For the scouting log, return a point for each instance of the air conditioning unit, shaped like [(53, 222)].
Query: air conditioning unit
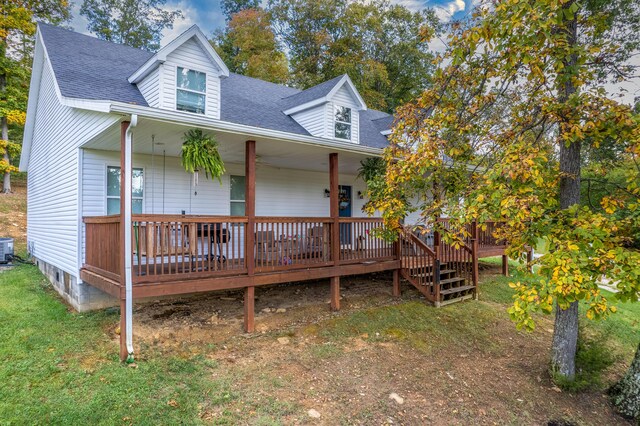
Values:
[(6, 250)]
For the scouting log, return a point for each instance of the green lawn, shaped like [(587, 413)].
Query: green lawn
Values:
[(61, 367)]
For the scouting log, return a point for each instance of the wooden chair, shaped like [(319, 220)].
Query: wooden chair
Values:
[(266, 247), (316, 240)]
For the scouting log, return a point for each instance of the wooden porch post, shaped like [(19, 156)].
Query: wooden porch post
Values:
[(335, 227), (397, 251), (396, 283), (123, 329), (474, 258), (505, 265), (250, 212)]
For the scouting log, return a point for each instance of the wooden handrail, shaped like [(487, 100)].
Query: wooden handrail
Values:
[(101, 219), (187, 218)]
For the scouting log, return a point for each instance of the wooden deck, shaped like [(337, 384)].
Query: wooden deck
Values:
[(187, 254)]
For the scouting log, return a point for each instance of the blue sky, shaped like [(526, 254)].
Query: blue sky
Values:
[(208, 15)]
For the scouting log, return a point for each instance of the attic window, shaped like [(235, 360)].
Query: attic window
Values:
[(191, 90), (342, 122)]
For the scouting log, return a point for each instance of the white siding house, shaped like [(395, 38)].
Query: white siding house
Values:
[(73, 128)]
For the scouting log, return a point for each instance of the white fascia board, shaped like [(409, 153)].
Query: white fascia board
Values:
[(161, 55), (352, 88), (305, 106), (87, 104), (386, 132), (32, 104), (182, 118)]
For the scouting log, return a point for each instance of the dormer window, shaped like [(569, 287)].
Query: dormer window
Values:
[(191, 90), (342, 122)]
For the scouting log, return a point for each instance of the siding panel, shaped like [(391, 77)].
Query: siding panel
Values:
[(150, 88), (190, 55), (52, 184)]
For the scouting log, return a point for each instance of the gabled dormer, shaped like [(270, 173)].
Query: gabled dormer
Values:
[(330, 109), (183, 76)]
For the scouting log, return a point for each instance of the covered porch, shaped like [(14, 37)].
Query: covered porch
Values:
[(179, 243)]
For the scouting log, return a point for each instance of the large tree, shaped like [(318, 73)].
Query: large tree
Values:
[(248, 46), (136, 23), (517, 98), (17, 27), (231, 7), (381, 46)]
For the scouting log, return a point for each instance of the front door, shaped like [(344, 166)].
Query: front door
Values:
[(344, 209)]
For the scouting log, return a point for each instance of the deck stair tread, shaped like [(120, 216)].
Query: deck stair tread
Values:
[(456, 289)]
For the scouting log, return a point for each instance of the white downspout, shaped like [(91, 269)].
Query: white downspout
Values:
[(127, 235)]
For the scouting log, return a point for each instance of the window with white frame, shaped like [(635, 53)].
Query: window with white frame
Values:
[(191, 90), (237, 196), (342, 122), (113, 190)]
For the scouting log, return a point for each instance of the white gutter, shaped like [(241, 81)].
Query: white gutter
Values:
[(182, 118), (127, 235)]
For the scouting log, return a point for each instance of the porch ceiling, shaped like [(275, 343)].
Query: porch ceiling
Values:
[(271, 152)]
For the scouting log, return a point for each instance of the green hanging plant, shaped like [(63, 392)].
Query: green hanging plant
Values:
[(372, 169), (200, 153)]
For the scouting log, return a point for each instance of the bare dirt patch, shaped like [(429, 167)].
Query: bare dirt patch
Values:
[(13, 216), (466, 365)]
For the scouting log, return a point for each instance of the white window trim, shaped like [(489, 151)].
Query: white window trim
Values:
[(206, 84), (336, 121), (106, 188)]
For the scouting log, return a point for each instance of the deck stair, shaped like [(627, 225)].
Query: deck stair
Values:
[(442, 277)]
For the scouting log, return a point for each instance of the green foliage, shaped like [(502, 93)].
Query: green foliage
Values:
[(248, 46), (231, 7), (371, 168), (484, 140), (17, 28), (200, 153), (381, 46), (136, 23)]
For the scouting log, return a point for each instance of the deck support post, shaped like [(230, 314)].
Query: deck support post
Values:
[(335, 293), (249, 309), (249, 249), (474, 259), (396, 283), (505, 265), (397, 250), (335, 227)]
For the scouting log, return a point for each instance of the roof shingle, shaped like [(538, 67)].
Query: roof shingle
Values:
[(88, 68)]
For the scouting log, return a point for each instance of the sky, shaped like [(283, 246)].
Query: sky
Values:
[(208, 16)]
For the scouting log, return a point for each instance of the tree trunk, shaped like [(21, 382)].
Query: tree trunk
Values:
[(625, 394), (6, 184), (565, 334)]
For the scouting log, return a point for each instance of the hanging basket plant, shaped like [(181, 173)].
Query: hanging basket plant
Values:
[(200, 153)]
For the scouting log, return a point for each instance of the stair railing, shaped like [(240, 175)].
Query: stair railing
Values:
[(420, 265), (462, 255)]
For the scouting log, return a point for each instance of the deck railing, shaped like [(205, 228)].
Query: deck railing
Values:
[(102, 245), (170, 247), (359, 240), (192, 246), (283, 243)]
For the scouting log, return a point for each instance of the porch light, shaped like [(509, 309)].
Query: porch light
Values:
[(327, 193), (360, 195)]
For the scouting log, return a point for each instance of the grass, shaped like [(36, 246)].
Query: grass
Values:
[(62, 368), (601, 343)]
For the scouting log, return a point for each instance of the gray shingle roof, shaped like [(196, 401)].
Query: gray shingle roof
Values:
[(312, 93), (88, 68)]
